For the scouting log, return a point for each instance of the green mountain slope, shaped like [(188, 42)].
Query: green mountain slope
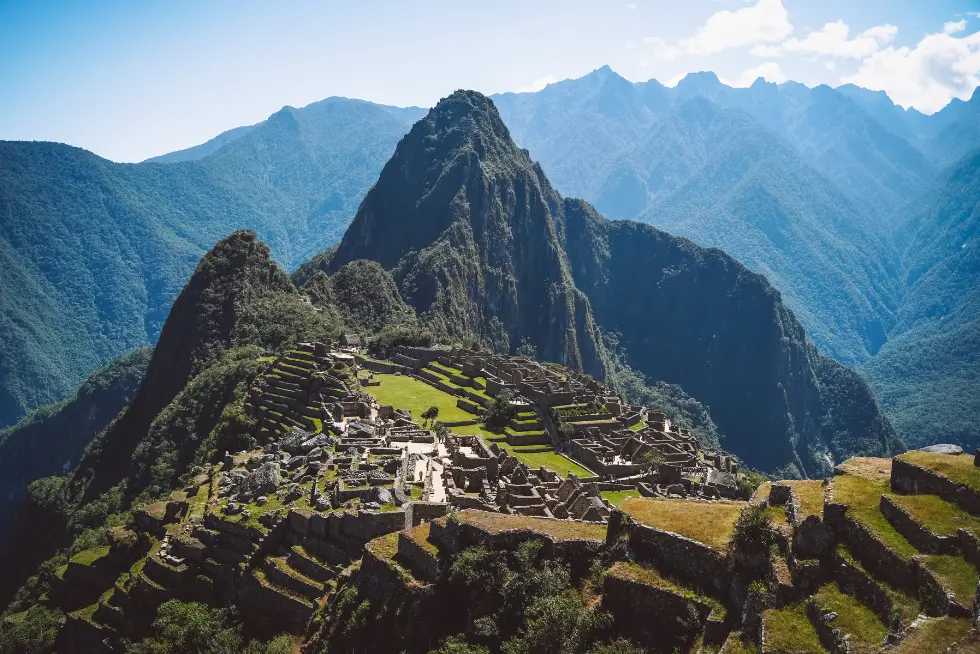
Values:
[(928, 376), (52, 439), (93, 253), (759, 172)]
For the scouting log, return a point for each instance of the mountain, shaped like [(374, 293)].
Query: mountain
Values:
[(928, 374), (466, 222), (52, 439), (204, 149), (757, 171), (482, 245), (236, 297), (93, 253)]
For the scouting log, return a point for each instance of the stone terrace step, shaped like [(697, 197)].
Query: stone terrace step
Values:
[(306, 563), (279, 572)]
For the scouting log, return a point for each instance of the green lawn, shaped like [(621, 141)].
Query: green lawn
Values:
[(853, 617), (534, 457), (789, 630), (616, 497), (404, 392)]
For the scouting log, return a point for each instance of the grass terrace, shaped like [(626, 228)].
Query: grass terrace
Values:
[(868, 467), (761, 493), (420, 536), (933, 636), (863, 496), (711, 523), (404, 392), (936, 514), (853, 617), (496, 523), (956, 575), (907, 606), (618, 497), (536, 456), (778, 514), (958, 467), (637, 426), (90, 556), (789, 630), (810, 496)]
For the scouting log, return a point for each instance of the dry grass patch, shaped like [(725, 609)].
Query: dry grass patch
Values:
[(496, 523), (384, 547), (711, 523), (958, 467), (868, 467)]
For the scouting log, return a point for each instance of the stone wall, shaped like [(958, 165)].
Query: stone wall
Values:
[(419, 512), (421, 561), (855, 582), (922, 538), (687, 559), (384, 367), (652, 615), (912, 479), (873, 554)]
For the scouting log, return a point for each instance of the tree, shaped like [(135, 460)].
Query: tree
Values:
[(430, 414), (500, 410), (441, 429), (652, 459)]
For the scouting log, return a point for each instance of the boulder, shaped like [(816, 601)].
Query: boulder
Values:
[(943, 448)]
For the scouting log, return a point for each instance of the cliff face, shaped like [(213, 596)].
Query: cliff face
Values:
[(481, 245), (466, 222), (698, 318)]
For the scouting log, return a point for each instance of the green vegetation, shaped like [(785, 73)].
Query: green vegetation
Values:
[(536, 456), (854, 618), (789, 630), (863, 496), (712, 524), (652, 577), (616, 497), (90, 556), (41, 443), (527, 605), (31, 632), (933, 636), (936, 514), (404, 392), (955, 574), (958, 467), (192, 628)]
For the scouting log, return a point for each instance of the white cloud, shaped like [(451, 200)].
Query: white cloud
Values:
[(954, 27), (764, 22), (939, 68), (657, 48), (537, 84), (631, 6), (832, 40), (769, 71)]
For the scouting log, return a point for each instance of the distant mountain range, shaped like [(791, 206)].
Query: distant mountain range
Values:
[(814, 188)]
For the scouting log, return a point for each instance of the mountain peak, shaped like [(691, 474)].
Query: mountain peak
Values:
[(699, 81)]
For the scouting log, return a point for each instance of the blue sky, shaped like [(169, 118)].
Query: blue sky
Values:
[(130, 80)]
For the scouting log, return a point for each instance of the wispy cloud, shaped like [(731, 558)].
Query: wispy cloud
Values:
[(767, 21), (537, 84)]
